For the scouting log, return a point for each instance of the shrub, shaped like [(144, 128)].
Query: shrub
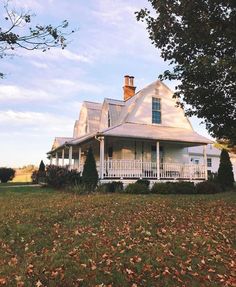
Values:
[(40, 174), (225, 172), (162, 188), (41, 166), (207, 187), (6, 174), (90, 174), (144, 182), (59, 177), (173, 187), (183, 187), (137, 188), (111, 187)]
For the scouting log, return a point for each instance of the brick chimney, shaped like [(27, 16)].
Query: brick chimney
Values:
[(129, 89)]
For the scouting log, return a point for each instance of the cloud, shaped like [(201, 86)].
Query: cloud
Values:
[(39, 65), (17, 93), (45, 91), (38, 123), (56, 54), (72, 86)]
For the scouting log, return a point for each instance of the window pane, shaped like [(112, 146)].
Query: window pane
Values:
[(156, 104), (209, 164), (156, 117)]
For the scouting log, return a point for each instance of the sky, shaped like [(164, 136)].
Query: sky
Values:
[(41, 94)]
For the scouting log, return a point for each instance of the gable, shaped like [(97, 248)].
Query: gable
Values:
[(89, 119), (139, 108), (59, 141), (111, 109)]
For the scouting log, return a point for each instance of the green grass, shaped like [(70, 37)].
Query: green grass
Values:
[(11, 183), (59, 239)]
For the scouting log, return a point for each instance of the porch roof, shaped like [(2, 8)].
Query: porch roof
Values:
[(134, 130)]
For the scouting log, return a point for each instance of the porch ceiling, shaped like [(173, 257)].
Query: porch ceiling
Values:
[(132, 130)]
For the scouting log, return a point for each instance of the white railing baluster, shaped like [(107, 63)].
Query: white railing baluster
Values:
[(139, 168)]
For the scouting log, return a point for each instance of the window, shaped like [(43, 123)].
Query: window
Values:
[(156, 111), (195, 160), (110, 152), (209, 163), (108, 120)]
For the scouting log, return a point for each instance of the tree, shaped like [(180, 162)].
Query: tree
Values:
[(14, 33), (6, 174), (225, 172), (198, 38), (41, 166), (90, 174)]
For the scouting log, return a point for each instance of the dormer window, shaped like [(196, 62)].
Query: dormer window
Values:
[(108, 120), (156, 110)]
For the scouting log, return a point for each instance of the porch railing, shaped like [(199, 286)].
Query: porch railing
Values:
[(147, 169), (143, 169)]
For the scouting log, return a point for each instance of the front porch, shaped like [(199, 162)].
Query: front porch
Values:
[(121, 158)]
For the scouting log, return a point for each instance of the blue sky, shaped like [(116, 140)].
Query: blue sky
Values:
[(40, 97)]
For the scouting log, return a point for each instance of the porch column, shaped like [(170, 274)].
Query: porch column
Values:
[(70, 157), (79, 162), (51, 157), (101, 167), (205, 161), (158, 159), (57, 159), (63, 157)]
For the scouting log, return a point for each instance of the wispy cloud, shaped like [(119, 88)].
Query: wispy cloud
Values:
[(37, 122), (9, 93), (72, 86), (26, 4), (39, 65), (56, 54)]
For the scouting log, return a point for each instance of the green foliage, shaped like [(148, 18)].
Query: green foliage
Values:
[(111, 187), (42, 166), (162, 188), (225, 172), (173, 188), (6, 174), (60, 177), (137, 188), (208, 187), (14, 33), (90, 174), (39, 176), (146, 182), (198, 39)]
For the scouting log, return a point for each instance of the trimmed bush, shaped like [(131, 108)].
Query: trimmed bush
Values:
[(162, 188), (111, 187), (41, 166), (59, 177), (90, 174), (144, 181), (183, 187), (173, 188), (6, 174), (137, 188), (39, 175), (225, 172), (207, 187)]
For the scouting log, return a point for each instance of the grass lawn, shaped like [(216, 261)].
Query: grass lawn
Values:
[(50, 238), (12, 183)]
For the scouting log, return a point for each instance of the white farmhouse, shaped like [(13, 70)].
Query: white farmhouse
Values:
[(213, 158), (144, 135)]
